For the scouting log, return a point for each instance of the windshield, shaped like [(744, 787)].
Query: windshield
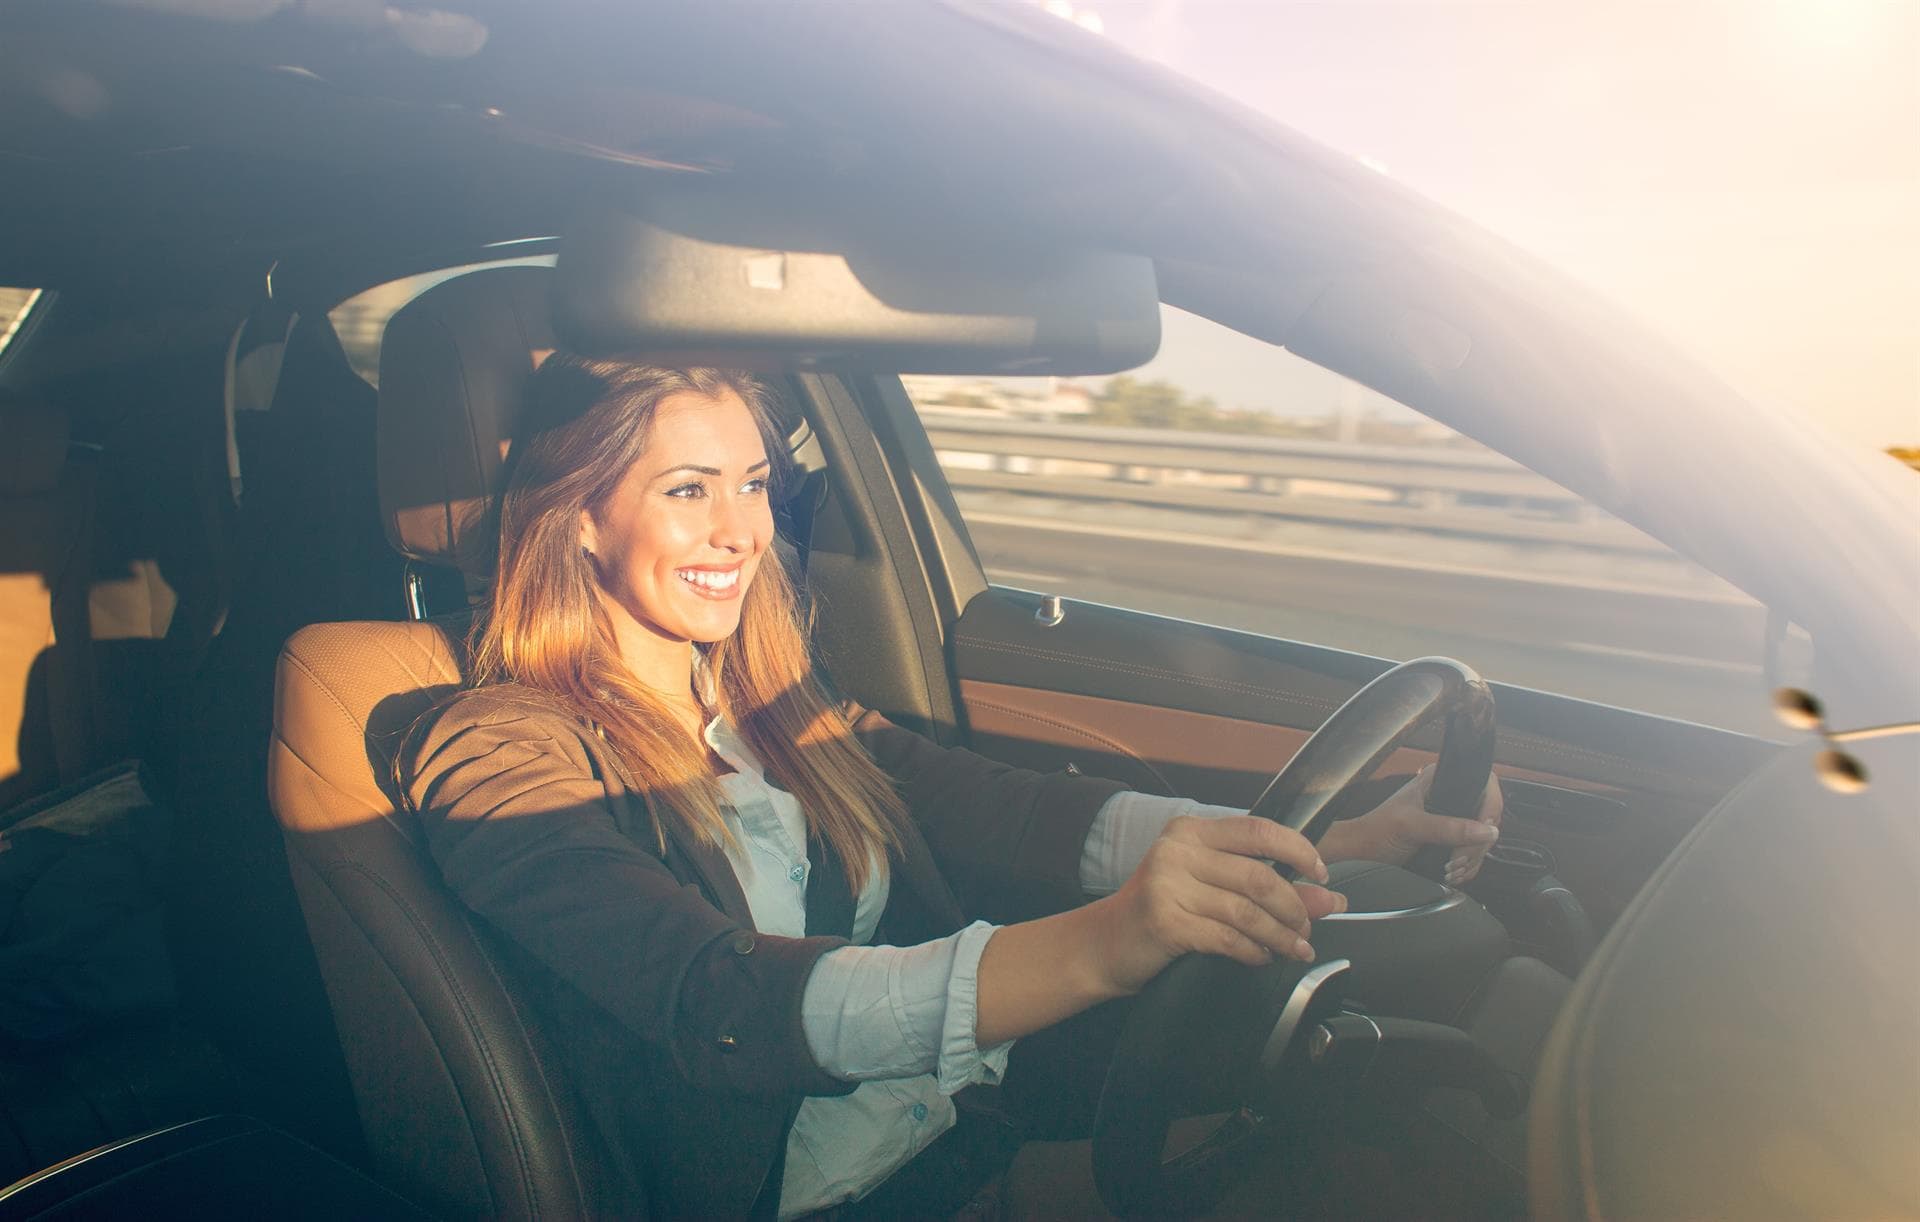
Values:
[(1232, 482)]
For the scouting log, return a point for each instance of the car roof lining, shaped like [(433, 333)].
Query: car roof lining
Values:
[(207, 153)]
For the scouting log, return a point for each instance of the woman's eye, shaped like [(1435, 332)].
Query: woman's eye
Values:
[(689, 490), (756, 486)]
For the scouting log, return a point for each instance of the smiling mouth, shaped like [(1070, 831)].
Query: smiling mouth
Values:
[(712, 583)]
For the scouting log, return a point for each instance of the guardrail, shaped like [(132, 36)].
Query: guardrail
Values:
[(1434, 490)]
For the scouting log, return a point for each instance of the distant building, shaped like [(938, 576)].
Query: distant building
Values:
[(1036, 399), (1067, 400), (974, 395)]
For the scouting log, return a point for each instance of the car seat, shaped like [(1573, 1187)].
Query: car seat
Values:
[(310, 548), (462, 1100), (46, 676)]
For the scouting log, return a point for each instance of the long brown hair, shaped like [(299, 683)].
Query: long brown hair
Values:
[(587, 423)]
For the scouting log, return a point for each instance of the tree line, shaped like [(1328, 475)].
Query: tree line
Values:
[(1127, 402)]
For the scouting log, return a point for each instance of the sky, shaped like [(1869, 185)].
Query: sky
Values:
[(1742, 174)]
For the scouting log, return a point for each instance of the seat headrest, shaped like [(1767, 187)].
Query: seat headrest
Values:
[(454, 365), (36, 449)]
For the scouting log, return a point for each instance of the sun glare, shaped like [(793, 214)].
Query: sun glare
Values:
[(1080, 15), (1833, 26)]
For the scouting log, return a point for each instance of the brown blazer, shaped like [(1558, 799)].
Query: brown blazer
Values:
[(681, 1024)]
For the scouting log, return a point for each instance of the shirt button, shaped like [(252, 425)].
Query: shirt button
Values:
[(797, 874), (919, 1111), (728, 1043), (743, 943)]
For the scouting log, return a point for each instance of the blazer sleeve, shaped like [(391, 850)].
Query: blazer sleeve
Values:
[(524, 834), (1007, 840)]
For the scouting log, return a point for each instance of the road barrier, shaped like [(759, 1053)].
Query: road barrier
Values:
[(1435, 489)]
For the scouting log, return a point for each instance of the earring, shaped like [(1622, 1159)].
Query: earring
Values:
[(586, 553)]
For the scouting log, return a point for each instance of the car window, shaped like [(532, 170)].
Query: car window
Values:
[(361, 320), (15, 305), (1234, 483)]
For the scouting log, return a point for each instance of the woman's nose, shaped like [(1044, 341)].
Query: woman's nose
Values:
[(732, 525)]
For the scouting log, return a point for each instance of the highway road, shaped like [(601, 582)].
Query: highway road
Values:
[(1680, 651)]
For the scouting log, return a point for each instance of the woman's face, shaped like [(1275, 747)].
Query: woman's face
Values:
[(679, 541)]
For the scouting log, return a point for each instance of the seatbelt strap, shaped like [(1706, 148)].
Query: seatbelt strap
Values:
[(230, 389)]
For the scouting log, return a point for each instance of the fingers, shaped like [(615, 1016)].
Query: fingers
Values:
[(1465, 864), (1231, 923), (1461, 834), (1254, 881), (1212, 889), (1493, 804), (1320, 901), (1228, 918), (1250, 837)]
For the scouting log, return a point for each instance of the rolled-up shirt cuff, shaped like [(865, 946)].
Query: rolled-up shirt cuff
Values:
[(873, 1012), (1125, 828), (963, 1062)]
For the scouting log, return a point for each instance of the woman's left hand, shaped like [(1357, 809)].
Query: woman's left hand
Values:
[(1400, 826)]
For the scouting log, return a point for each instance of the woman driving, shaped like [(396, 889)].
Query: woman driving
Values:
[(774, 935)]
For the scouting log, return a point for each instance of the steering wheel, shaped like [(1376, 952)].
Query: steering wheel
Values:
[(1206, 1027)]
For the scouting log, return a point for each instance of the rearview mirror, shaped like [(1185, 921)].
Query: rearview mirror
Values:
[(678, 288)]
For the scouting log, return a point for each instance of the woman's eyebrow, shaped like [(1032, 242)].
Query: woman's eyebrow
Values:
[(697, 469)]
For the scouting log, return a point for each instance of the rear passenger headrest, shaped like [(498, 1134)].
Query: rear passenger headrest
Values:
[(36, 447), (454, 365)]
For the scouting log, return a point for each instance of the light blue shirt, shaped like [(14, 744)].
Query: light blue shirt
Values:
[(899, 1020)]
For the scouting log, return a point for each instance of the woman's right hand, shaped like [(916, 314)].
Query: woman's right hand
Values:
[(1205, 885)]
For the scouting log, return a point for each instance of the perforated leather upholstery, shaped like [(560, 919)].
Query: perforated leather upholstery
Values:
[(458, 1097)]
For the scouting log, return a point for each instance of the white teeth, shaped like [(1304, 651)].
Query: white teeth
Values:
[(709, 580)]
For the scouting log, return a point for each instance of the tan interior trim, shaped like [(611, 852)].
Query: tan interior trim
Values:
[(1154, 737), (1032, 723)]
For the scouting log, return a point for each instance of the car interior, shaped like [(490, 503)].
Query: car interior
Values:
[(236, 572), (433, 1069)]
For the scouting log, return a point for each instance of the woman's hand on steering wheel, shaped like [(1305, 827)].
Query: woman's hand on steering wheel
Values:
[(1206, 886), (1399, 827)]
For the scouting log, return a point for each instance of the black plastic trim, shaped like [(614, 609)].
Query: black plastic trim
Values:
[(878, 628), (952, 563)]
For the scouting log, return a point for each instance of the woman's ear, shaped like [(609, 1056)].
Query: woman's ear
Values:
[(589, 537)]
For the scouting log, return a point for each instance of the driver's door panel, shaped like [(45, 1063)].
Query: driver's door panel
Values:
[(1170, 706)]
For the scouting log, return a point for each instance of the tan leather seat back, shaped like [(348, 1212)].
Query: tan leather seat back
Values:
[(46, 661), (461, 1100), (344, 697), (112, 585), (458, 1092)]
